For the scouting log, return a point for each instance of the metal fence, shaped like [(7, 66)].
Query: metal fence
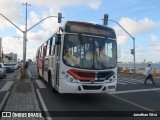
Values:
[(155, 71)]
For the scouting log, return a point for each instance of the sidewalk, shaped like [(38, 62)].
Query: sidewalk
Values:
[(22, 98)]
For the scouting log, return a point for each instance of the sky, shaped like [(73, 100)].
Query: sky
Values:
[(139, 18)]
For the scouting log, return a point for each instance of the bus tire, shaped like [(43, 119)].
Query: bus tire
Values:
[(39, 75)]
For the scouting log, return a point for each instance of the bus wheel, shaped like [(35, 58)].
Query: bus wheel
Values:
[(39, 76)]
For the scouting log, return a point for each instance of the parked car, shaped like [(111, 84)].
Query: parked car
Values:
[(16, 65), (2, 70), (9, 67)]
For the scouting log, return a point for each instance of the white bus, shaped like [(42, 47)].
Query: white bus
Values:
[(79, 58)]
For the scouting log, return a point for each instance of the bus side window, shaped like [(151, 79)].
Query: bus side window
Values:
[(41, 52), (45, 49), (48, 47), (37, 55), (53, 46)]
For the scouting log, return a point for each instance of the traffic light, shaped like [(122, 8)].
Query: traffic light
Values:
[(59, 17), (105, 20), (132, 51)]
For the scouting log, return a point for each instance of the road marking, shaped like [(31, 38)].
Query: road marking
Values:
[(133, 91), (4, 100), (43, 105), (127, 82), (29, 73), (138, 80), (145, 108), (40, 84), (132, 82), (121, 78), (7, 86), (135, 80), (156, 81), (121, 83)]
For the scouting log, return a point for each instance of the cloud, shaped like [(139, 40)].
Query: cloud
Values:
[(9, 9), (15, 45), (154, 38), (94, 4), (135, 27), (35, 39), (138, 27), (38, 36), (4, 24), (11, 44), (34, 18), (12, 10), (49, 26), (122, 39)]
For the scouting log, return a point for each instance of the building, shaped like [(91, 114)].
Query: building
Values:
[(7, 58), (10, 58)]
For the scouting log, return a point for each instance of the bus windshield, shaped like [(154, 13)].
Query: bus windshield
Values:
[(89, 52)]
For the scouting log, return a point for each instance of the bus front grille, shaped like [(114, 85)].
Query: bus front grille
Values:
[(88, 87)]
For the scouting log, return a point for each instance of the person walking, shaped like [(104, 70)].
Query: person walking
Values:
[(26, 65), (148, 73)]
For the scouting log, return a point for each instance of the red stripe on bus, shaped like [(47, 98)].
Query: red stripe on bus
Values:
[(82, 74)]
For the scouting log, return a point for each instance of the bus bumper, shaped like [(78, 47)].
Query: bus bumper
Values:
[(68, 87)]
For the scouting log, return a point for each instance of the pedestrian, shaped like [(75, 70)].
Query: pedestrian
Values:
[(148, 72), (26, 65)]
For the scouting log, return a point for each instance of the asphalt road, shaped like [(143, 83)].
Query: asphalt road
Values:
[(6, 85), (132, 97)]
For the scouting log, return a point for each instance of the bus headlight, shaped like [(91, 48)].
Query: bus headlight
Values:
[(67, 75), (112, 79), (72, 80), (114, 76), (69, 78)]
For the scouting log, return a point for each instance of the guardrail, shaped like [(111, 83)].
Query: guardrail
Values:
[(155, 71)]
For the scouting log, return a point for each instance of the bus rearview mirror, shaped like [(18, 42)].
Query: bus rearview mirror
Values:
[(58, 39)]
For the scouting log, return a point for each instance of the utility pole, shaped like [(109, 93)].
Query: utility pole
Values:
[(25, 33), (134, 58), (2, 54), (132, 50), (24, 41)]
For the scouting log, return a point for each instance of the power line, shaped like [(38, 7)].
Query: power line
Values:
[(139, 51), (149, 7), (142, 10), (149, 45)]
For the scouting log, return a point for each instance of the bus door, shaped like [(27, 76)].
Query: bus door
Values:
[(45, 68), (57, 60), (57, 66)]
